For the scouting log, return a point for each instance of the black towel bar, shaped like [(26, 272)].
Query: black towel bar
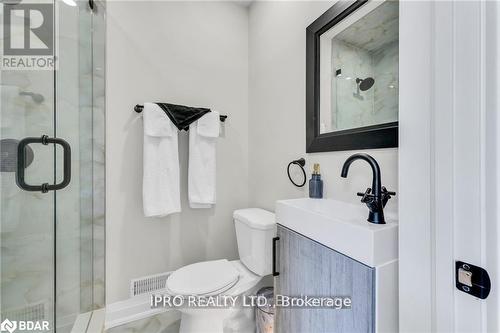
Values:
[(138, 108)]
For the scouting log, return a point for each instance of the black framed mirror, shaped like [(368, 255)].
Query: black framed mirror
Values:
[(352, 77)]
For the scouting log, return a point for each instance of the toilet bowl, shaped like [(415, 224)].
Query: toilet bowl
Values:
[(232, 280)]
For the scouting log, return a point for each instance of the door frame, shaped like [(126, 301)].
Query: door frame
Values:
[(448, 162)]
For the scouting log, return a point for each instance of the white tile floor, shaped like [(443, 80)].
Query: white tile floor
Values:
[(167, 322)]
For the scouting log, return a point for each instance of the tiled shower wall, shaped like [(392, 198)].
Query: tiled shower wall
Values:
[(377, 105), (80, 119), (351, 110), (385, 70), (92, 179)]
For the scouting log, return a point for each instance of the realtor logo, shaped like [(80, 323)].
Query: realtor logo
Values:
[(8, 326), (28, 34)]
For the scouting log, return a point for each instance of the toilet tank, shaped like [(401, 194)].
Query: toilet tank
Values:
[(255, 229)]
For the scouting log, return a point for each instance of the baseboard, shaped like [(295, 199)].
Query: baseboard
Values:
[(132, 309), (91, 322)]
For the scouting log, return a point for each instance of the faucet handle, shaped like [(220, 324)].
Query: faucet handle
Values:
[(386, 195), (366, 196), (384, 191)]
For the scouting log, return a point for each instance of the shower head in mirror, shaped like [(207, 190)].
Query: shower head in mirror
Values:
[(365, 84)]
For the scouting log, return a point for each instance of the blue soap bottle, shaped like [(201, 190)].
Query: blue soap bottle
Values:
[(316, 183)]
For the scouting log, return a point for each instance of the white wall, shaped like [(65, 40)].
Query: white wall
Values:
[(277, 42), (192, 53), (248, 63)]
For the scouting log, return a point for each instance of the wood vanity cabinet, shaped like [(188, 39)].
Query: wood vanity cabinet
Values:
[(306, 267)]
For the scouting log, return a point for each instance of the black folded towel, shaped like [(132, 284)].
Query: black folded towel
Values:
[(182, 116)]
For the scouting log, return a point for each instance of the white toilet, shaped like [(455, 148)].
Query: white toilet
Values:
[(255, 229)]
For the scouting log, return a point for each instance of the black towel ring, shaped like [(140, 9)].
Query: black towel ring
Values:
[(301, 163)]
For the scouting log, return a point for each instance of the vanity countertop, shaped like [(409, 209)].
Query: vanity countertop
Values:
[(342, 227)]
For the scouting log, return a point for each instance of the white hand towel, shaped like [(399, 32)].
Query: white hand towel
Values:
[(161, 182), (203, 135)]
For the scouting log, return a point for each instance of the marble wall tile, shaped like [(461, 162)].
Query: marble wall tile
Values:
[(98, 154), (352, 107), (386, 90)]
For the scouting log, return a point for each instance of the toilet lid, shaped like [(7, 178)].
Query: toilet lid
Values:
[(203, 278)]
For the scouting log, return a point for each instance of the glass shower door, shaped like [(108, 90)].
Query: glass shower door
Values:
[(27, 232), (52, 168)]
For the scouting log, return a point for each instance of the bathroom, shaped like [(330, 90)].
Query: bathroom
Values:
[(295, 86)]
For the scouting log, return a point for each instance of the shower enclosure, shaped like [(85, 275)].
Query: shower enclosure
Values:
[(52, 231)]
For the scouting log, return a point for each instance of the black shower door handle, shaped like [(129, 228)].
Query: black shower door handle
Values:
[(21, 164)]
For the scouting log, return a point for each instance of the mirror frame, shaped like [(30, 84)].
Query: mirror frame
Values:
[(367, 137)]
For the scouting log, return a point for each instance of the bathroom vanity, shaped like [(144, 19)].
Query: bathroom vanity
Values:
[(325, 248)]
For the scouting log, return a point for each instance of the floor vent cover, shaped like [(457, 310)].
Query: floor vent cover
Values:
[(148, 284), (31, 312)]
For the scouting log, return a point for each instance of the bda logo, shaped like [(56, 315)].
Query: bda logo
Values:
[(7, 325)]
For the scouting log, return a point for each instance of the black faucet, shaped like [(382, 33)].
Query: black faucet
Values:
[(375, 197)]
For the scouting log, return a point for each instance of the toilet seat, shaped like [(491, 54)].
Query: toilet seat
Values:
[(201, 319), (203, 278)]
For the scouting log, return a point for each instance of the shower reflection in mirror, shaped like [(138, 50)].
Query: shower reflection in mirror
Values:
[(359, 69)]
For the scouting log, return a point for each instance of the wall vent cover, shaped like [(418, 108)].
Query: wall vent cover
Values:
[(148, 284), (30, 312)]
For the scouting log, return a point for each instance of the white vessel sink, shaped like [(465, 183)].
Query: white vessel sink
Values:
[(341, 227)]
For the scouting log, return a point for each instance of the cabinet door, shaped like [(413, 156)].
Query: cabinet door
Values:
[(309, 268)]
